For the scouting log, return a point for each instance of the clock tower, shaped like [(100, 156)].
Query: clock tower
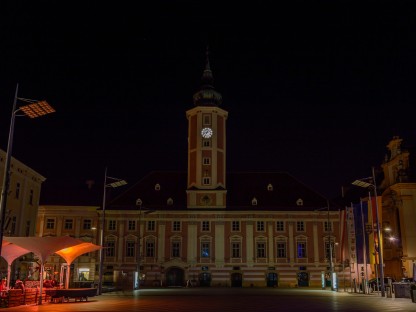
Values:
[(206, 147)]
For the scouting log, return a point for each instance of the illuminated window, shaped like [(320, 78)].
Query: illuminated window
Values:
[(254, 201), (301, 249), (205, 249), (270, 187)]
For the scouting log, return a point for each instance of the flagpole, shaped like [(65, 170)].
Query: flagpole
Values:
[(365, 284)]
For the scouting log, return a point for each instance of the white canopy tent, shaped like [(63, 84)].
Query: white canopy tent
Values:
[(11, 252), (67, 247)]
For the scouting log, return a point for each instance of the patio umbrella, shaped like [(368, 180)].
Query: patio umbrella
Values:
[(43, 247), (11, 252), (71, 253)]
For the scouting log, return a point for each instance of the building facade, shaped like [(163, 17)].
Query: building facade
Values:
[(22, 200), (206, 226)]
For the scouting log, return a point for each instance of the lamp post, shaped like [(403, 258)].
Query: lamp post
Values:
[(379, 251), (116, 183), (329, 228), (139, 203), (32, 110)]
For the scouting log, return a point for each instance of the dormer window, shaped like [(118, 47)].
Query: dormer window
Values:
[(254, 201), (169, 202), (157, 187), (270, 187), (299, 202)]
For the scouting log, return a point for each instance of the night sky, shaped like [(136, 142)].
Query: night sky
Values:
[(313, 88)]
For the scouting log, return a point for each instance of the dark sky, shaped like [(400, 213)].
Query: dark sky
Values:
[(313, 88)]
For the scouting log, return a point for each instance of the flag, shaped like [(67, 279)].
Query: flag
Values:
[(360, 220)]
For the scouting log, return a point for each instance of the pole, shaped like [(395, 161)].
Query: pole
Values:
[(100, 276), (380, 245), (6, 178), (139, 203), (365, 290), (330, 250)]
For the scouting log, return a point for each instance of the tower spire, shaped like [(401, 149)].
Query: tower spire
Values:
[(207, 96)]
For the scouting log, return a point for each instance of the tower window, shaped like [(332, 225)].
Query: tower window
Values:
[(207, 119), (206, 143), (206, 181), (206, 161)]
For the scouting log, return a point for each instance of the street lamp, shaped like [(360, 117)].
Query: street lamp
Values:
[(116, 183), (33, 110), (329, 228), (139, 204), (365, 184)]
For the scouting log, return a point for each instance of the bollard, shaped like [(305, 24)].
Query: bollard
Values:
[(388, 292)]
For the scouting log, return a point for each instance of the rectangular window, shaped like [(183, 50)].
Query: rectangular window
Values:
[(260, 226), (176, 226), (205, 226), (150, 249), (206, 181), (235, 226), (206, 143), (110, 249), (151, 226), (13, 227), (261, 250), (132, 225), (112, 225), (207, 119), (130, 248), (50, 224), (206, 160), (205, 250), (27, 228), (301, 249), (68, 224), (31, 197), (235, 250), (327, 250), (280, 226), (17, 190), (176, 249), (87, 224), (300, 226), (327, 226), (281, 250)]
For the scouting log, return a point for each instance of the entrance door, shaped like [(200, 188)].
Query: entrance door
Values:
[(303, 279), (271, 279), (236, 280), (205, 279), (175, 277)]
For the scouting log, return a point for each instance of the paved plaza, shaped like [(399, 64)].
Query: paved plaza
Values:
[(230, 300)]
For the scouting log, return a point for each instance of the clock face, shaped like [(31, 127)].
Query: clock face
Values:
[(206, 133)]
